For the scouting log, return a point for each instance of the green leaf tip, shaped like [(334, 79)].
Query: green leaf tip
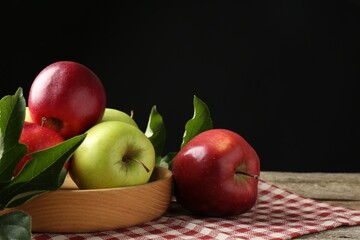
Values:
[(156, 131), (12, 117), (201, 121), (15, 225)]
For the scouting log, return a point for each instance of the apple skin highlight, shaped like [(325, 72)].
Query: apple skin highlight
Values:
[(113, 155), (69, 96), (215, 174)]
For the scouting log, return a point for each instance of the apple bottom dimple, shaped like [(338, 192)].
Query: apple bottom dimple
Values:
[(65, 126), (53, 123), (112, 155), (107, 170)]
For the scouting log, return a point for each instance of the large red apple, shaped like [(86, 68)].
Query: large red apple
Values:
[(216, 174), (69, 96), (37, 138)]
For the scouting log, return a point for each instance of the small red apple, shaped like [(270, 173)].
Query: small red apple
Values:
[(69, 96), (37, 138), (216, 174)]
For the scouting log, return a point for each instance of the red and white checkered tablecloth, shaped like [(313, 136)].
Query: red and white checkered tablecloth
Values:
[(278, 214)]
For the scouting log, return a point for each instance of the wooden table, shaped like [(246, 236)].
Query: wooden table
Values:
[(342, 189)]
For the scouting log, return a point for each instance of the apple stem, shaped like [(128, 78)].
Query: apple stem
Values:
[(248, 174), (43, 120), (132, 113), (146, 168)]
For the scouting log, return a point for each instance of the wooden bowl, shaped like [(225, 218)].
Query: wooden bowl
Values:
[(70, 210)]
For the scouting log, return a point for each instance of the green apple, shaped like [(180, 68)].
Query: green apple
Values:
[(113, 154), (27, 115), (112, 114)]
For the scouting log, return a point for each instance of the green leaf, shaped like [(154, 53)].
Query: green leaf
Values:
[(166, 161), (12, 116), (15, 225), (201, 121), (44, 172), (156, 132)]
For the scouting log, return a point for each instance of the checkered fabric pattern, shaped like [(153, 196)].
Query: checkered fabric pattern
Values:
[(278, 214)]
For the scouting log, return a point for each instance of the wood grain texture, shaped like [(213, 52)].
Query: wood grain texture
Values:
[(70, 210), (342, 189)]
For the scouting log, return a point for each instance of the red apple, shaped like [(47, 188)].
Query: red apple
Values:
[(37, 138), (69, 96), (216, 174)]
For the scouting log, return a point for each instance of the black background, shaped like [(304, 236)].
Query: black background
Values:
[(283, 74)]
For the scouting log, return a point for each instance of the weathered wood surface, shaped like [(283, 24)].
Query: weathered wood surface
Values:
[(342, 189)]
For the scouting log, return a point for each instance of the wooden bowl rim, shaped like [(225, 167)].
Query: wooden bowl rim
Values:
[(163, 174)]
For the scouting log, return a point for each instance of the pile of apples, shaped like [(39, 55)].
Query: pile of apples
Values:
[(215, 173), (67, 99)]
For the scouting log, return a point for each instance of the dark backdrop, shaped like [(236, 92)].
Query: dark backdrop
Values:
[(280, 73)]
